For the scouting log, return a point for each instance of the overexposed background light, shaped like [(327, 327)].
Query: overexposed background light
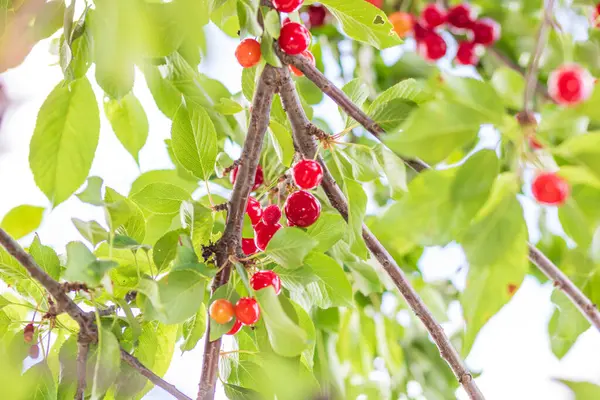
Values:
[(513, 349)]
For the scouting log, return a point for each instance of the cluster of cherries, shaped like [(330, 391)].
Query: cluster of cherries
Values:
[(28, 333), (294, 39)]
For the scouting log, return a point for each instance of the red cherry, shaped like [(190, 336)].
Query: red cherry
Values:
[(308, 174), (254, 210), (420, 31), (287, 20), (433, 16), (263, 233), (549, 188), (34, 351), (316, 15), (305, 54), (432, 47), (460, 16), (287, 6), (596, 17), (294, 38), (570, 84), (249, 247), (262, 279), (486, 31), (534, 143), (247, 311), (28, 333), (235, 328), (272, 215), (402, 22), (467, 54), (248, 53), (302, 209), (376, 3), (258, 177), (221, 311)]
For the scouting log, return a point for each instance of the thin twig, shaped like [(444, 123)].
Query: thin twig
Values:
[(83, 347), (531, 79), (230, 242), (87, 327), (306, 144)]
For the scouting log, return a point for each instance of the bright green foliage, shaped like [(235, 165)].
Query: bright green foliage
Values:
[(22, 220)]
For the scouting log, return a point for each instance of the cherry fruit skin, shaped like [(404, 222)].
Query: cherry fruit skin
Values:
[(305, 54), (467, 53), (376, 3), (460, 16), (248, 53), (221, 311), (402, 22), (294, 38), (249, 247), (316, 15), (534, 143), (34, 351), (308, 174), (263, 233), (433, 16), (570, 84), (486, 31), (237, 326), (432, 47), (262, 279), (28, 333), (271, 215), (420, 31), (302, 209), (549, 188), (287, 6), (258, 177), (254, 210), (247, 311)]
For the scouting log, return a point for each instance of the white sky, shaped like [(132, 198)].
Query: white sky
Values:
[(513, 349)]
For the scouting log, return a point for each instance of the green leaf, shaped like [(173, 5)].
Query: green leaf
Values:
[(580, 215), (108, 363), (289, 246), (332, 288), (496, 248), (477, 95), (510, 85), (448, 125), (161, 198), (363, 22), (45, 257), (227, 292), (272, 23), (200, 221), (584, 149), (394, 169), (162, 176), (22, 220), (193, 330), (234, 392), (228, 107), (393, 113), (64, 141), (408, 89), (357, 209), (266, 49), (129, 122), (358, 92), (165, 249), (583, 390), (283, 143), (82, 265), (195, 141), (92, 194), (92, 231), (166, 95), (247, 11), (249, 82), (565, 325), (287, 338), (42, 381), (124, 217), (327, 230)]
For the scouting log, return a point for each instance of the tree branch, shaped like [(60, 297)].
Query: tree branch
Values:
[(531, 79), (83, 347), (88, 332), (307, 146), (230, 242)]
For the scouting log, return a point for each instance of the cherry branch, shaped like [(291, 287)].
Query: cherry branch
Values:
[(83, 347), (88, 332), (307, 146), (230, 242)]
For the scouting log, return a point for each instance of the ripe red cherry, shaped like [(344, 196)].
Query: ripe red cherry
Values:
[(34, 351), (235, 328), (596, 17), (302, 209), (305, 54), (262, 279), (570, 84), (271, 215), (420, 31), (249, 247), (221, 311), (263, 233), (376, 3), (433, 16), (316, 15), (549, 188), (28, 333), (467, 53), (248, 53), (247, 311), (308, 174), (460, 16), (254, 210), (432, 47), (486, 31), (287, 6), (294, 38), (258, 177)]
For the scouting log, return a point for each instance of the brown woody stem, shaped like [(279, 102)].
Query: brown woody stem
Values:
[(230, 242), (83, 347), (307, 146)]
